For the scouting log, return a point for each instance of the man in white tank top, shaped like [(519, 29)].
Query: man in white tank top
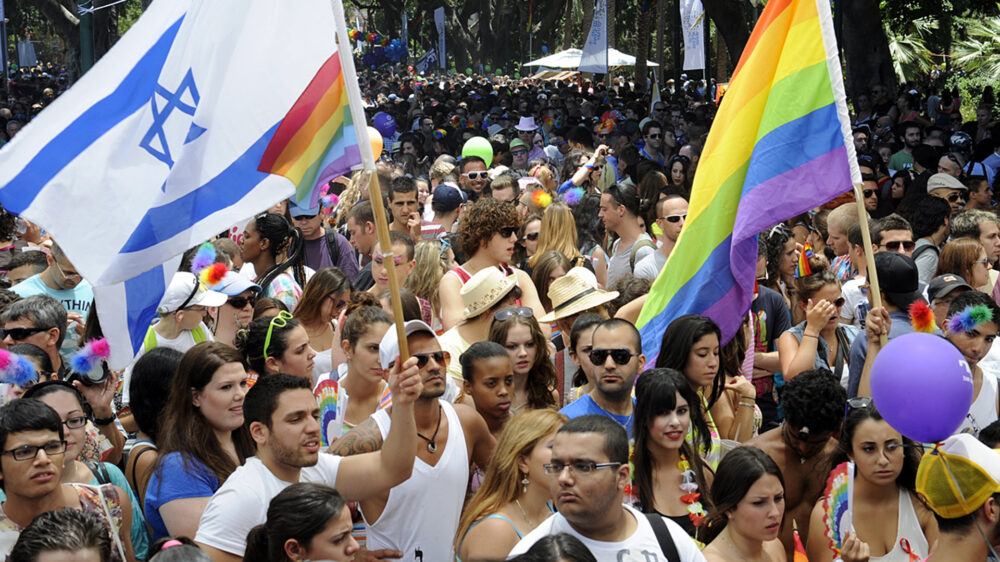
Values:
[(448, 438)]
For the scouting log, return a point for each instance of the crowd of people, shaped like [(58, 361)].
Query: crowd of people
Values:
[(269, 416)]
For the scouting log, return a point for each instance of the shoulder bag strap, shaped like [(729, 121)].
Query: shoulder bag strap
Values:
[(663, 537)]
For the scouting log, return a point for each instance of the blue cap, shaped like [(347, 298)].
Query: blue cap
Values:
[(233, 284), (447, 197), (304, 209)]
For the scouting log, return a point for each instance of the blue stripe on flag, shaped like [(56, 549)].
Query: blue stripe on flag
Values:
[(142, 295), (224, 190), (134, 91)]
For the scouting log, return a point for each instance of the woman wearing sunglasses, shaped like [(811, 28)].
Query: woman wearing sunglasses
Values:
[(534, 373), (237, 312), (324, 298), (818, 340), (966, 258), (890, 522), (277, 344)]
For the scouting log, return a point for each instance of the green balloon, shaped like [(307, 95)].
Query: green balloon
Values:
[(468, 70), (488, 68), (517, 75), (478, 146), (499, 72)]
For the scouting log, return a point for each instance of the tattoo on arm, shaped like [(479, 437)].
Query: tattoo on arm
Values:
[(364, 438)]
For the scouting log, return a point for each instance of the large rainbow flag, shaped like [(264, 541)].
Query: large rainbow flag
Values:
[(780, 145), (315, 142)]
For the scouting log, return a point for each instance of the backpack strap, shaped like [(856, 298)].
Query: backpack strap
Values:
[(635, 250), (663, 536), (149, 342), (333, 246), (923, 249), (100, 471)]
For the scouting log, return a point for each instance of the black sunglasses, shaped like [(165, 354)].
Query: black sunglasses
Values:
[(894, 246), (955, 197), (240, 302), (621, 356), (440, 357), (868, 193), (654, 136), (506, 313), (17, 334), (508, 231), (303, 217), (531, 236)]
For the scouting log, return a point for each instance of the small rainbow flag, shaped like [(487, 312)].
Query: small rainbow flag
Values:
[(780, 145), (802, 268), (315, 141), (331, 418), (800, 551)]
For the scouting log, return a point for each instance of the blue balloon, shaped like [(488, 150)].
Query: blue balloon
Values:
[(384, 124), (545, 49)]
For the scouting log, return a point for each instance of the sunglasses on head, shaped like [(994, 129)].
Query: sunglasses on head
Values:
[(895, 245), (241, 302), (477, 175), (506, 313), (531, 236), (440, 357), (17, 334), (674, 218), (508, 231), (858, 403), (620, 356)]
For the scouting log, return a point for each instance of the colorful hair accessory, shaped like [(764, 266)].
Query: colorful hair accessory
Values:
[(573, 195), (455, 120), (541, 198), (16, 370), (803, 268), (921, 317), (440, 133), (968, 319), (90, 356), (204, 266)]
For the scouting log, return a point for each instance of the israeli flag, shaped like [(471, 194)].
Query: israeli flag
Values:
[(156, 148)]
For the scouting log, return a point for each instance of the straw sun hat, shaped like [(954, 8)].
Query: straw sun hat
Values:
[(574, 293), (484, 289)]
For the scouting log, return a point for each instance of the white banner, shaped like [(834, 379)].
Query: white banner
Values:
[(692, 27), (439, 22), (595, 50)]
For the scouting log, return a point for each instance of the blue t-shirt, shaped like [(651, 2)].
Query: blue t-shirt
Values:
[(585, 405), (77, 299), (175, 479)]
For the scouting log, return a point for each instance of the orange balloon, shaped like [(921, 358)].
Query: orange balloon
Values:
[(375, 138)]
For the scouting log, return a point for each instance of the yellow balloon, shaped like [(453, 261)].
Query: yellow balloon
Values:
[(375, 138)]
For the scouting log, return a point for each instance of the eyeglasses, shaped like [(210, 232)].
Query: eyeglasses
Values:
[(303, 217), (477, 175), (518, 152), (28, 452), (504, 314), (674, 218), (241, 302), (984, 261), (653, 136), (440, 357), (895, 245), (531, 236), (620, 356), (281, 320), (76, 422), (868, 193), (508, 231), (18, 334), (578, 467)]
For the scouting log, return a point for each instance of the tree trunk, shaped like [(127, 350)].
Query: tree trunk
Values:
[(866, 49), (588, 19), (641, 47), (568, 28), (730, 24), (62, 15), (661, 35)]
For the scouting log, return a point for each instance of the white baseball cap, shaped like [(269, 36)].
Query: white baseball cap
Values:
[(388, 348), (186, 291)]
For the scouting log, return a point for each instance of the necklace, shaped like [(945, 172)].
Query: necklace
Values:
[(431, 445), (696, 512), (524, 513)]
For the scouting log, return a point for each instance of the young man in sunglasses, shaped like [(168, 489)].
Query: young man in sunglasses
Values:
[(888, 234), (652, 135), (323, 247), (617, 358), (448, 438), (473, 176), (671, 212)]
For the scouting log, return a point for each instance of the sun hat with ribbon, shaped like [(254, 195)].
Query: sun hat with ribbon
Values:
[(575, 292), (484, 289)]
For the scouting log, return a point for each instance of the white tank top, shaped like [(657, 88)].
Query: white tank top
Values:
[(421, 515), (907, 528), (983, 411)]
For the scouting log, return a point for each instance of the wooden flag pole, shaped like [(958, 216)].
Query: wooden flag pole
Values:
[(368, 160), (874, 294)]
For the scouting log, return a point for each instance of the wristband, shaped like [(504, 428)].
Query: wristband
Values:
[(805, 335), (747, 404), (589, 166), (105, 421)]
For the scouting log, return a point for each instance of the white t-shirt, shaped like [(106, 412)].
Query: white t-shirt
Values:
[(854, 298), (241, 503), (642, 546), (649, 267)]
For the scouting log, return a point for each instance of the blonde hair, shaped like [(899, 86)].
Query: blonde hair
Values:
[(502, 481), (558, 232), (545, 176), (440, 169), (423, 281), (350, 196), (844, 216)]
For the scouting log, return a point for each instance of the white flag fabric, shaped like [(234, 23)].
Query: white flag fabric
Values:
[(693, 28), (595, 50), (156, 148)]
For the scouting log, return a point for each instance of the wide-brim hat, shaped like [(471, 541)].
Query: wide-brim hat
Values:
[(575, 292), (526, 124), (484, 289)]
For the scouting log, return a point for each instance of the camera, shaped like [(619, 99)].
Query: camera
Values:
[(94, 377)]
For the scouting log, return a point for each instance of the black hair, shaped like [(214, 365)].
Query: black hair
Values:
[(929, 213), (621, 324), (675, 350), (737, 472), (45, 388), (250, 341), (911, 451), (580, 135), (814, 399), (300, 512), (887, 223), (27, 414), (466, 160), (262, 398), (584, 322), (563, 547), (477, 351), (589, 228), (150, 387), (30, 257), (65, 529), (615, 436), (990, 435), (402, 184), (32, 351), (283, 239), (974, 298), (656, 395), (627, 196)]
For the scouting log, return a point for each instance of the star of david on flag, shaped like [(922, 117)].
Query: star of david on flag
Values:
[(160, 145)]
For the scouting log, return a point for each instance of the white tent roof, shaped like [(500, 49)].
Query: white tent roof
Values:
[(570, 58)]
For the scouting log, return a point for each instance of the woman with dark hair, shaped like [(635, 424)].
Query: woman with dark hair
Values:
[(680, 173), (901, 183), (325, 296), (591, 235), (691, 345), (667, 469), (782, 256), (267, 239), (534, 373), (202, 439), (581, 343), (749, 496), (890, 522), (549, 266), (560, 547), (305, 521), (277, 344)]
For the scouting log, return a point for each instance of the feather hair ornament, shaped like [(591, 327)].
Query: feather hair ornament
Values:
[(573, 196), (968, 319), (541, 198), (921, 317), (203, 265), (16, 370), (90, 356)]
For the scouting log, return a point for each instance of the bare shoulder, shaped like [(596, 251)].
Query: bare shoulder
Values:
[(768, 441), (775, 550), (468, 416), (364, 438), (490, 538)]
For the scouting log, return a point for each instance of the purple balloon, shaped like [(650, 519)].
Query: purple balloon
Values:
[(922, 386), (385, 124)]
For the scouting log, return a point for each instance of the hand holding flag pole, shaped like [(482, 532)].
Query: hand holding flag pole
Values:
[(874, 295), (368, 159)]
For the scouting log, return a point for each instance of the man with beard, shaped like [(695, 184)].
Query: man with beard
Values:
[(282, 416), (448, 438), (910, 135)]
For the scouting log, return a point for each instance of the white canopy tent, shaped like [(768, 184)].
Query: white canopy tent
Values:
[(570, 58)]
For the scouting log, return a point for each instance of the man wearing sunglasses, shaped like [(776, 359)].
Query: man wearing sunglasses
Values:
[(671, 212), (323, 248), (617, 358), (473, 176), (888, 234), (38, 320), (948, 187), (652, 135), (449, 437), (61, 281)]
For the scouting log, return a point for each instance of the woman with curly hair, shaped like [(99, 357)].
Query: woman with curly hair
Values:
[(534, 373), (487, 235)]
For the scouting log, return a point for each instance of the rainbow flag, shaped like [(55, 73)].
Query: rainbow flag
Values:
[(780, 145), (802, 268), (315, 141)]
